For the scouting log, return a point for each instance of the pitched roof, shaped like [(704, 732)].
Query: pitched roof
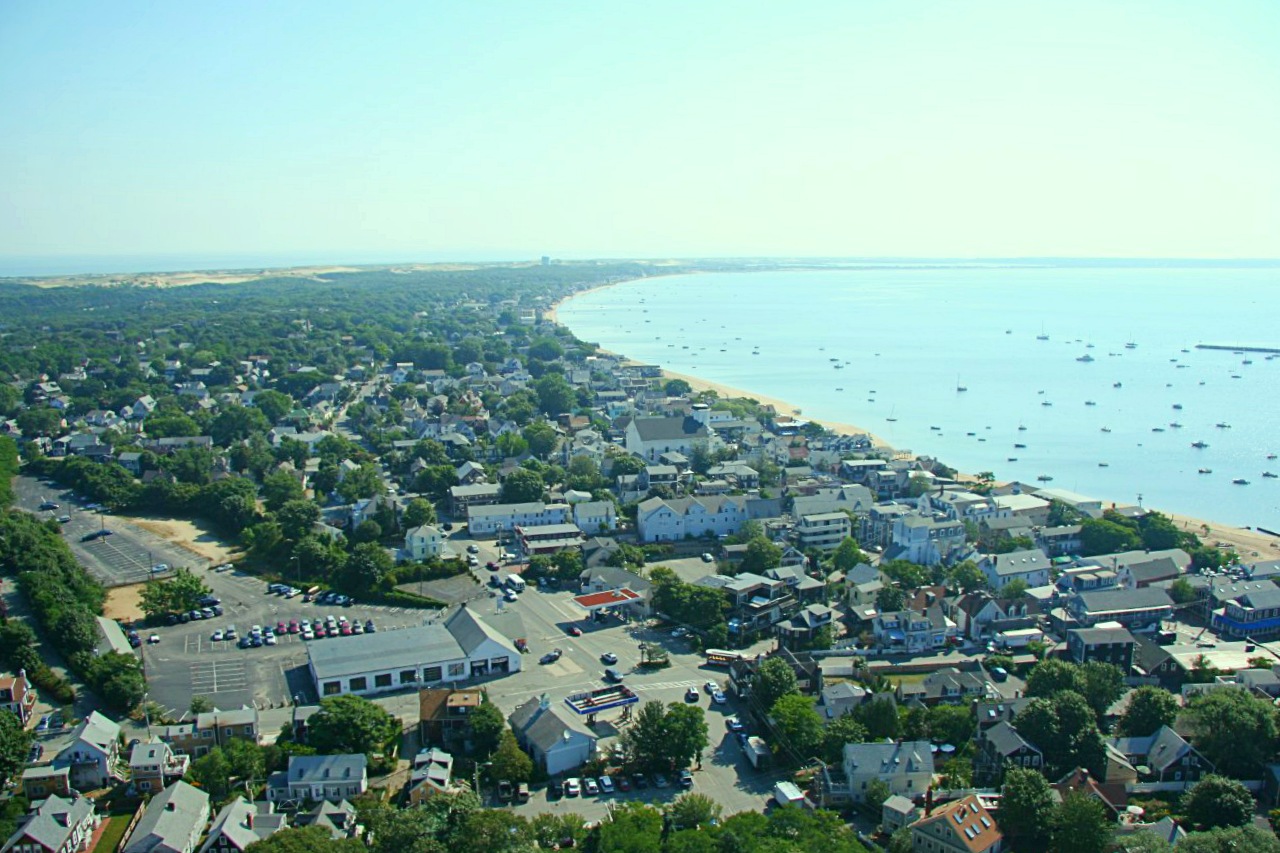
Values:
[(471, 631), (542, 725), (664, 429), (51, 822), (172, 817), (97, 730), (318, 768), (242, 823), (890, 759), (967, 822), (1116, 600), (1006, 740), (407, 648), (1020, 562)]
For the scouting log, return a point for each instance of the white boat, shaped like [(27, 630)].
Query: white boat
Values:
[(1085, 357), (1206, 470)]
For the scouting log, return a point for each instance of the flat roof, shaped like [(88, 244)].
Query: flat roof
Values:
[(608, 598)]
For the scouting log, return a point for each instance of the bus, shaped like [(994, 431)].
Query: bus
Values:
[(720, 657)]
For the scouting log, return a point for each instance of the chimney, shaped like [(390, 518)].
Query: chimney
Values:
[(928, 801), (544, 703), (248, 820)]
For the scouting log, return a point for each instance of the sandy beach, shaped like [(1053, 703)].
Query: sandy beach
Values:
[(1248, 543)]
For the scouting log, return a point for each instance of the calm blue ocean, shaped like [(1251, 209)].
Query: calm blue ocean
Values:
[(887, 349)]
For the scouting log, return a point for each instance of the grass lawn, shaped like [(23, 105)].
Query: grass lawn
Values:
[(909, 678), (110, 839)]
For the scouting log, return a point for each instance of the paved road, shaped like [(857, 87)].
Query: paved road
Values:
[(123, 558)]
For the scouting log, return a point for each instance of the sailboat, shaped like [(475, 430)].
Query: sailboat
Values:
[(960, 387), (891, 418), (1042, 336)]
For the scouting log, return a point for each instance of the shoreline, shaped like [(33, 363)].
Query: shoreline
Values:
[(1247, 541)]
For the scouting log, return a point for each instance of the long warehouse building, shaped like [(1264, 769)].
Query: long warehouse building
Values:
[(463, 646)]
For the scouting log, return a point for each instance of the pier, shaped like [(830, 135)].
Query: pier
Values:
[(1237, 348)]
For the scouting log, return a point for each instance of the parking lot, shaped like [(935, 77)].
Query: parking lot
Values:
[(123, 557), (187, 662)]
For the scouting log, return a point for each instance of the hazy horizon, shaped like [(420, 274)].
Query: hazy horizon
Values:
[(454, 131)]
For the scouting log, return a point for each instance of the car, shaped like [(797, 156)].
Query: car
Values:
[(153, 639), (575, 631), (134, 642), (733, 724), (609, 658), (551, 656), (229, 633), (719, 698), (319, 632), (606, 785), (37, 750), (270, 639), (613, 674), (207, 613), (92, 535), (572, 787), (217, 610), (742, 739), (589, 787), (639, 780), (624, 784), (225, 567), (268, 631), (43, 725), (307, 634), (505, 791), (1206, 644), (55, 720), (473, 560), (345, 629), (707, 558), (272, 588), (680, 632), (210, 601), (473, 549), (281, 628), (710, 687), (999, 673), (522, 792), (660, 781), (691, 695), (159, 567), (293, 591), (305, 625), (63, 519), (686, 779), (217, 636), (171, 619), (244, 643), (256, 642), (195, 615), (357, 628), (369, 627), (184, 618), (292, 627), (255, 631), (331, 621), (48, 505), (510, 595)]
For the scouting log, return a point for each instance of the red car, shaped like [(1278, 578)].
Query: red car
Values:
[(281, 628), (293, 626), (575, 631), (345, 630), (320, 632)]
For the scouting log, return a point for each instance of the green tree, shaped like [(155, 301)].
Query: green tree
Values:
[(1182, 592), (487, 726), (643, 739), (877, 792), (367, 567), (558, 831), (890, 599), (358, 483), (212, 772), (350, 724), (297, 519), (774, 679), (1026, 809), (584, 474), (247, 760), (236, 423), (1104, 536), (966, 576), (847, 555), (633, 828), (1234, 839), (542, 438), (1218, 801), (1053, 676), (1235, 730), (274, 404), (178, 593), (761, 555), (690, 810), (799, 726), (522, 486), (1066, 730), (200, 705), (685, 734), (555, 395), (511, 445), (1013, 590), (280, 488), (306, 839), (1080, 824), (1149, 708), (118, 679), (879, 716), (510, 762), (1103, 686), (677, 388), (845, 729), (417, 513), (14, 743)]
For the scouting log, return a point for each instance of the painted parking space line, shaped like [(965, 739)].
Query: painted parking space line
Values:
[(218, 676)]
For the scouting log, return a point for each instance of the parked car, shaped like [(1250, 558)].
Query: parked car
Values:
[(217, 636), (624, 784), (639, 780), (733, 724), (691, 695), (504, 791), (575, 631), (686, 779), (680, 632), (510, 595), (369, 627), (606, 785), (153, 639), (48, 505), (710, 687), (522, 792), (707, 558), (660, 781), (609, 658), (473, 549), (63, 519), (572, 787), (590, 787), (719, 698)]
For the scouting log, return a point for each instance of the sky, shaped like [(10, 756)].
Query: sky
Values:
[(431, 130)]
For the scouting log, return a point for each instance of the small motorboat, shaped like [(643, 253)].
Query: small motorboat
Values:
[(1199, 445), (1090, 403), (1177, 405), (1044, 478), (1269, 475), (1240, 481), (1206, 470), (1020, 446), (1013, 459), (1106, 429), (1104, 464)]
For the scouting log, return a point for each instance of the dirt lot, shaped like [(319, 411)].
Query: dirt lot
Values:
[(123, 603), (189, 535)]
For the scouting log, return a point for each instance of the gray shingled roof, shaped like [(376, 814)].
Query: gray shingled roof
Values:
[(50, 823), (234, 820), (385, 650), (170, 819)]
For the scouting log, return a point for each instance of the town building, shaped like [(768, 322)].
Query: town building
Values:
[(1164, 756), (210, 729), (1001, 747), (424, 542), (1106, 642), (545, 539), (154, 765), (432, 774), (93, 754), (493, 519), (17, 696), (45, 780), (649, 438), (241, 823), (556, 739), (55, 825), (906, 768), (962, 826), (1134, 608), (823, 531), (1254, 614), (659, 520), (444, 715), (1031, 567), (173, 821), (464, 646), (319, 777)]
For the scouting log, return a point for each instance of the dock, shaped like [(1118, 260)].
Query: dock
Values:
[(1237, 348)]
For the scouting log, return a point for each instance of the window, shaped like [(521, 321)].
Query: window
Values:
[(383, 680), (359, 683), (408, 676), (207, 733), (332, 688), (457, 670), (432, 673), (248, 730)]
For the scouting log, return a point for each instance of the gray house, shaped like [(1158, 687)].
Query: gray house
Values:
[(173, 822), (557, 741), (319, 777)]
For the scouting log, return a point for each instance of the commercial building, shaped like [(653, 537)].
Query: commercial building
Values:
[(464, 646), (823, 531)]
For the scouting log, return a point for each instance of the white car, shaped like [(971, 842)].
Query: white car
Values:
[(270, 639), (572, 787), (217, 635), (711, 687), (510, 595), (606, 785), (718, 697), (680, 632), (307, 634)]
